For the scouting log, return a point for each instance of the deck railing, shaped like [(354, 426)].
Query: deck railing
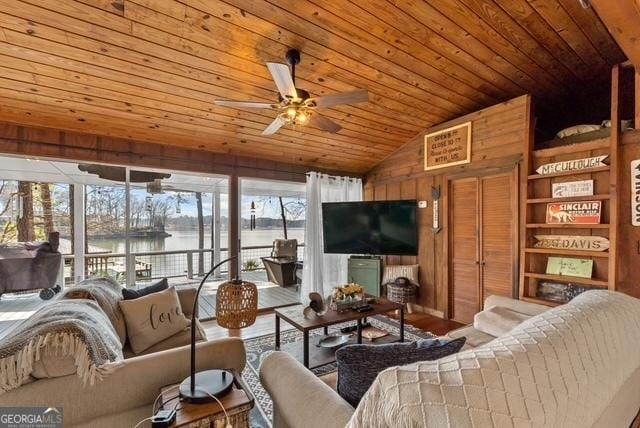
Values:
[(149, 265)]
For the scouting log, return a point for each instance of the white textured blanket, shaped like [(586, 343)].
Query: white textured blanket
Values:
[(560, 368)]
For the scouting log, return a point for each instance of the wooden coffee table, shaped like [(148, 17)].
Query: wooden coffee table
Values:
[(321, 356)]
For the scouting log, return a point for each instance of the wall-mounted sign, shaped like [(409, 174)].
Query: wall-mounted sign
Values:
[(587, 212), (451, 146), (572, 188), (584, 243), (581, 268), (635, 192), (572, 165)]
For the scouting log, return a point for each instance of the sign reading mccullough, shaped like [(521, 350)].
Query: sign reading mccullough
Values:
[(572, 165), (587, 212)]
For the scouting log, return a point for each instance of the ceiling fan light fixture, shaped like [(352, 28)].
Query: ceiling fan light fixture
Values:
[(302, 118)]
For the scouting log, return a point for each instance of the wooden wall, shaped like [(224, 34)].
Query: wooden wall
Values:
[(500, 137), (74, 146), (628, 276)]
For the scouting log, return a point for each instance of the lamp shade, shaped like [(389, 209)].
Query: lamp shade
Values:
[(236, 304)]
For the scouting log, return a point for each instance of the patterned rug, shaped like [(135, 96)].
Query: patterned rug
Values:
[(258, 347)]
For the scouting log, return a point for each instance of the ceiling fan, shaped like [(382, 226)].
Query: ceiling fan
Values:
[(295, 106)]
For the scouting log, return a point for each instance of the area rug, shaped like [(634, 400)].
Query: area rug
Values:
[(257, 348)]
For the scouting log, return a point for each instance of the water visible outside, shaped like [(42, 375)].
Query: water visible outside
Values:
[(188, 240)]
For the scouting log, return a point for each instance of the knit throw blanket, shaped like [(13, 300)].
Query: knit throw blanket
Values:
[(74, 328), (561, 368), (106, 292)]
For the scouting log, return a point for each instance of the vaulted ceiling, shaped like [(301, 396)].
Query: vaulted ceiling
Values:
[(150, 69)]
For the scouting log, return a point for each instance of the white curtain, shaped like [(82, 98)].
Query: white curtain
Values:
[(322, 271)]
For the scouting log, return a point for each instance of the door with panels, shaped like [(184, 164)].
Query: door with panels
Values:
[(483, 241)]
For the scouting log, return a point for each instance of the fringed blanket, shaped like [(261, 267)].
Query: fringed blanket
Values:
[(106, 292), (74, 328)]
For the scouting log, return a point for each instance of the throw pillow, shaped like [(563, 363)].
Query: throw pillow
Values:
[(498, 320), (153, 318), (358, 365), (391, 272), (161, 285)]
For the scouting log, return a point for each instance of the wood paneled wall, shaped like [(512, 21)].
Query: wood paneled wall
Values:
[(500, 137), (75, 146), (628, 272)]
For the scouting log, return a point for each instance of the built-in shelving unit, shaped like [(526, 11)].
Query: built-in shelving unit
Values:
[(533, 260)]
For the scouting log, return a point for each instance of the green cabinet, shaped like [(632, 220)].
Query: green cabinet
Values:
[(366, 272)]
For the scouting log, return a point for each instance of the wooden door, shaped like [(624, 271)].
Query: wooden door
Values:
[(498, 235), (464, 271)]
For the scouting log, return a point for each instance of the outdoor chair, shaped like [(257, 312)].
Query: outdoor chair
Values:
[(282, 264)]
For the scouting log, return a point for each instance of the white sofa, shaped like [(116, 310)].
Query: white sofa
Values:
[(576, 365)]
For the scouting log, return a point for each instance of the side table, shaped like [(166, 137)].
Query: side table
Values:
[(238, 403)]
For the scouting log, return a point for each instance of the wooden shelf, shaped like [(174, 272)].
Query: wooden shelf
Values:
[(566, 173), (569, 199), (582, 253), (571, 279), (567, 226), (540, 301), (584, 146)]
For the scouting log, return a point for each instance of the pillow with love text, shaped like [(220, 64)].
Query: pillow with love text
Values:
[(152, 318)]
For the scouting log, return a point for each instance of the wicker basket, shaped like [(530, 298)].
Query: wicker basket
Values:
[(236, 304), (401, 294)]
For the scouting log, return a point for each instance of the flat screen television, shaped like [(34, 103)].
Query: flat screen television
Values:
[(377, 228)]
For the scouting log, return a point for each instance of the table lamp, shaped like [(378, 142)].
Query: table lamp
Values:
[(236, 307)]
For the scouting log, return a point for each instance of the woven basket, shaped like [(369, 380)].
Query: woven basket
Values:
[(236, 304), (401, 294)]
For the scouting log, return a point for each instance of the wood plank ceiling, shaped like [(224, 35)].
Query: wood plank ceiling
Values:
[(150, 69)]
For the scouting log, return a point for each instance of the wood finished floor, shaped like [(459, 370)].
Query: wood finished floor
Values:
[(265, 324)]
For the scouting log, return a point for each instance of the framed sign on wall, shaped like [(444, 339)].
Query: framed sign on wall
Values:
[(448, 147)]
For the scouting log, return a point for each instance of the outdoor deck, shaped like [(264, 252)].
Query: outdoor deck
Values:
[(15, 308)]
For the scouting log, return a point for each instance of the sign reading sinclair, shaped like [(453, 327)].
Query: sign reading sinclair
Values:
[(635, 192), (587, 212), (572, 165)]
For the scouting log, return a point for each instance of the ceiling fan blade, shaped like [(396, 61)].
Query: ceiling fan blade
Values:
[(324, 123), (282, 76), (243, 104), (354, 97), (274, 126)]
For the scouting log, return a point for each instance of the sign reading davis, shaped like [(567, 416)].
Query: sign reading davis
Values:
[(587, 212), (451, 146), (572, 165), (635, 192), (584, 243)]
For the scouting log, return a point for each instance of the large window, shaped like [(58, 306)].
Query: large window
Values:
[(162, 224), (269, 210)]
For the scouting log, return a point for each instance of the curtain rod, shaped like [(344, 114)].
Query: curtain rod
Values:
[(333, 177)]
